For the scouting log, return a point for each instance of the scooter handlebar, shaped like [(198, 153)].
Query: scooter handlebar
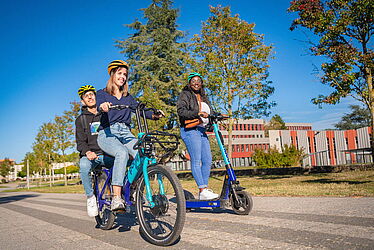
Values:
[(218, 117)]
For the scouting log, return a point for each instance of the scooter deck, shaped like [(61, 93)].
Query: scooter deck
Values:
[(196, 203)]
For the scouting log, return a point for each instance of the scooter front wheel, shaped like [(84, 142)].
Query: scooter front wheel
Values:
[(244, 203)]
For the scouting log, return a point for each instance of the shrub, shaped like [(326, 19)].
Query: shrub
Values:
[(272, 158)]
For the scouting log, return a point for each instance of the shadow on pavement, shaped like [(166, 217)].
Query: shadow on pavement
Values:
[(13, 198), (125, 221), (325, 180), (210, 211)]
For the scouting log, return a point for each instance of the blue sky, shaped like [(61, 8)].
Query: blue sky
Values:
[(50, 48)]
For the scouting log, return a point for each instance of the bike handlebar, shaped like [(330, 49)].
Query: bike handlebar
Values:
[(140, 106)]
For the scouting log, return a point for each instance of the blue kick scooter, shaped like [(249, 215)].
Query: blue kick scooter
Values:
[(232, 193)]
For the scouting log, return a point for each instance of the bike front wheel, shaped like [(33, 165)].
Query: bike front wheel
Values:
[(162, 223)]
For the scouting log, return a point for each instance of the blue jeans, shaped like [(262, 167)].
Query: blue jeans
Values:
[(85, 167), (118, 141), (198, 147)]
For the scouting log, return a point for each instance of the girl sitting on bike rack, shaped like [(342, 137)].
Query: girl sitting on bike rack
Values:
[(193, 111), (115, 137)]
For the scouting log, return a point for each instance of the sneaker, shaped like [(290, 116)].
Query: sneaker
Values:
[(92, 210), (117, 204), (207, 194)]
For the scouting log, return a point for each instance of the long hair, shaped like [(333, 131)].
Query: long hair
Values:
[(110, 86)]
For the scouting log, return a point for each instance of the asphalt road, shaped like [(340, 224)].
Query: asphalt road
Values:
[(59, 221)]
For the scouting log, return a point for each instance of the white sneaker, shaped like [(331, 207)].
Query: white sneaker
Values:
[(92, 210), (117, 204), (207, 194)]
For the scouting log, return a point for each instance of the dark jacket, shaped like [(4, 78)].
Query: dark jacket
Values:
[(188, 106), (114, 116), (86, 126)]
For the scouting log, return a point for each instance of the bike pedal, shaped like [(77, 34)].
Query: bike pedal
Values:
[(108, 196)]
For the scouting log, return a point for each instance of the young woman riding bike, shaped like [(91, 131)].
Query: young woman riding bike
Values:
[(115, 137)]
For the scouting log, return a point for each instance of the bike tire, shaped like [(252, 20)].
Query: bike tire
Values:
[(246, 203), (162, 224), (105, 218)]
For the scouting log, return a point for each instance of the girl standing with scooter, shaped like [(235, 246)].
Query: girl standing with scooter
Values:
[(193, 111)]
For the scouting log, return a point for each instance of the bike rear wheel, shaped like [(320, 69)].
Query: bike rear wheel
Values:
[(162, 224), (105, 218)]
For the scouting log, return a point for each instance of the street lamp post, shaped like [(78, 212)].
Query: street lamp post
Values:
[(28, 174)]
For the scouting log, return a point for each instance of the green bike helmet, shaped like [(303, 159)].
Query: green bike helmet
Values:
[(193, 74)]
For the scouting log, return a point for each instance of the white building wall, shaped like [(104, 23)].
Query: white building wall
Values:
[(363, 138), (275, 139), (340, 146), (285, 138), (302, 143), (322, 159)]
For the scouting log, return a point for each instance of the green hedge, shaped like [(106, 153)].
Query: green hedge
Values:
[(69, 170), (272, 158)]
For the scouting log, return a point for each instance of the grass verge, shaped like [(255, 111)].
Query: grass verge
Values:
[(344, 184)]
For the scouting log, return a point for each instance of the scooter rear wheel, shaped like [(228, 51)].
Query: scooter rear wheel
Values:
[(244, 204)]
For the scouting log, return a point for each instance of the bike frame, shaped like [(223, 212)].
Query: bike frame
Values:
[(138, 166), (229, 180)]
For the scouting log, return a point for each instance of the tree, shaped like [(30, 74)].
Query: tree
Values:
[(344, 29), (64, 130), (44, 147), (33, 163), (234, 60), (214, 147), (157, 59), (275, 123), (6, 166), (53, 141), (358, 118), (63, 134)]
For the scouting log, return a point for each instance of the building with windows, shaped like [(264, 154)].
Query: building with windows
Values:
[(329, 147), (248, 135), (321, 148)]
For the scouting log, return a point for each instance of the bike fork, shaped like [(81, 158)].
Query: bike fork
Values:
[(146, 182)]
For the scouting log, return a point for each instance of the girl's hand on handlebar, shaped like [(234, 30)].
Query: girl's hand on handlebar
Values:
[(105, 106), (158, 114), (204, 114)]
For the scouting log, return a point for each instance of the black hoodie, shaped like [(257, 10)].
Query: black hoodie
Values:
[(187, 105), (86, 126)]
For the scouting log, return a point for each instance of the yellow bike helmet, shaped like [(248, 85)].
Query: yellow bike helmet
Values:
[(117, 63), (85, 88)]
